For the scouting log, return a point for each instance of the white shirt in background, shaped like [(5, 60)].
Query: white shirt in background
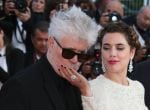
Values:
[(3, 63), (17, 37)]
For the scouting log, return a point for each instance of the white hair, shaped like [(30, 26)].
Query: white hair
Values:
[(73, 23)]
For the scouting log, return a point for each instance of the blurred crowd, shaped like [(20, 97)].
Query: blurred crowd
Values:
[(24, 33)]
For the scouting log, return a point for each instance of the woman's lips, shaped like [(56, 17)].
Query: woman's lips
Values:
[(112, 62)]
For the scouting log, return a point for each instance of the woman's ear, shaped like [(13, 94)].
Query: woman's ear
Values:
[(132, 53)]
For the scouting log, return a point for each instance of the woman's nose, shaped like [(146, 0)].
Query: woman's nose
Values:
[(113, 53)]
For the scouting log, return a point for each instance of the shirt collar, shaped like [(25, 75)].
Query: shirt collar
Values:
[(3, 51)]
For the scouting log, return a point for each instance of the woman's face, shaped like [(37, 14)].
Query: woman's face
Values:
[(116, 52), (38, 5)]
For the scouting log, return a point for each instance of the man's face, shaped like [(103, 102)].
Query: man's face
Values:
[(40, 42), (143, 19), (74, 48), (112, 6)]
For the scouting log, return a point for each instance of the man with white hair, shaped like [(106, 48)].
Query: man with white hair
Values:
[(40, 87)]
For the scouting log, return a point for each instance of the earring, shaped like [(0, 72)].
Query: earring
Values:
[(130, 69), (103, 67)]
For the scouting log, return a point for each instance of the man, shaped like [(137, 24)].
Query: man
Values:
[(112, 12), (11, 59), (142, 74), (40, 87), (18, 36), (39, 38), (141, 25)]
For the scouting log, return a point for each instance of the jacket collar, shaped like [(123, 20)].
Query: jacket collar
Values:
[(50, 79)]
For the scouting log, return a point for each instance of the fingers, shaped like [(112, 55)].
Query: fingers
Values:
[(76, 79), (73, 77), (28, 11), (70, 75), (66, 73), (23, 16)]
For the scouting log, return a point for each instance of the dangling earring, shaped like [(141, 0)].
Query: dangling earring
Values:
[(130, 69), (103, 67)]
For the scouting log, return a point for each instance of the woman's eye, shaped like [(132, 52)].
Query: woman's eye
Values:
[(106, 48), (121, 48)]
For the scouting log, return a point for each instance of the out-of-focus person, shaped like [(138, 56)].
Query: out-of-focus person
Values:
[(39, 12), (141, 74), (11, 59), (86, 70), (92, 67), (12, 13), (57, 5), (113, 90), (87, 6), (112, 12), (100, 6), (141, 25), (22, 17), (40, 87), (39, 38)]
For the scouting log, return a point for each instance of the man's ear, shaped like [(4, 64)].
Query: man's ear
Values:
[(50, 41), (1, 33)]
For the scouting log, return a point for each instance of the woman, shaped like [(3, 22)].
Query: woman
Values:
[(113, 90), (39, 9), (37, 12)]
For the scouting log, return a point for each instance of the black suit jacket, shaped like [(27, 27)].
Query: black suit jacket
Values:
[(29, 59), (39, 88), (15, 62), (142, 74)]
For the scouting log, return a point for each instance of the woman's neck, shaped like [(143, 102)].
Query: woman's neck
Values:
[(118, 78)]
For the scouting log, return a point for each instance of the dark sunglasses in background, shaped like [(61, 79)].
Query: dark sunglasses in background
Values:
[(69, 54)]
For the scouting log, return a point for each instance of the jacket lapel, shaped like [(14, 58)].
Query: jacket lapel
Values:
[(8, 59)]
